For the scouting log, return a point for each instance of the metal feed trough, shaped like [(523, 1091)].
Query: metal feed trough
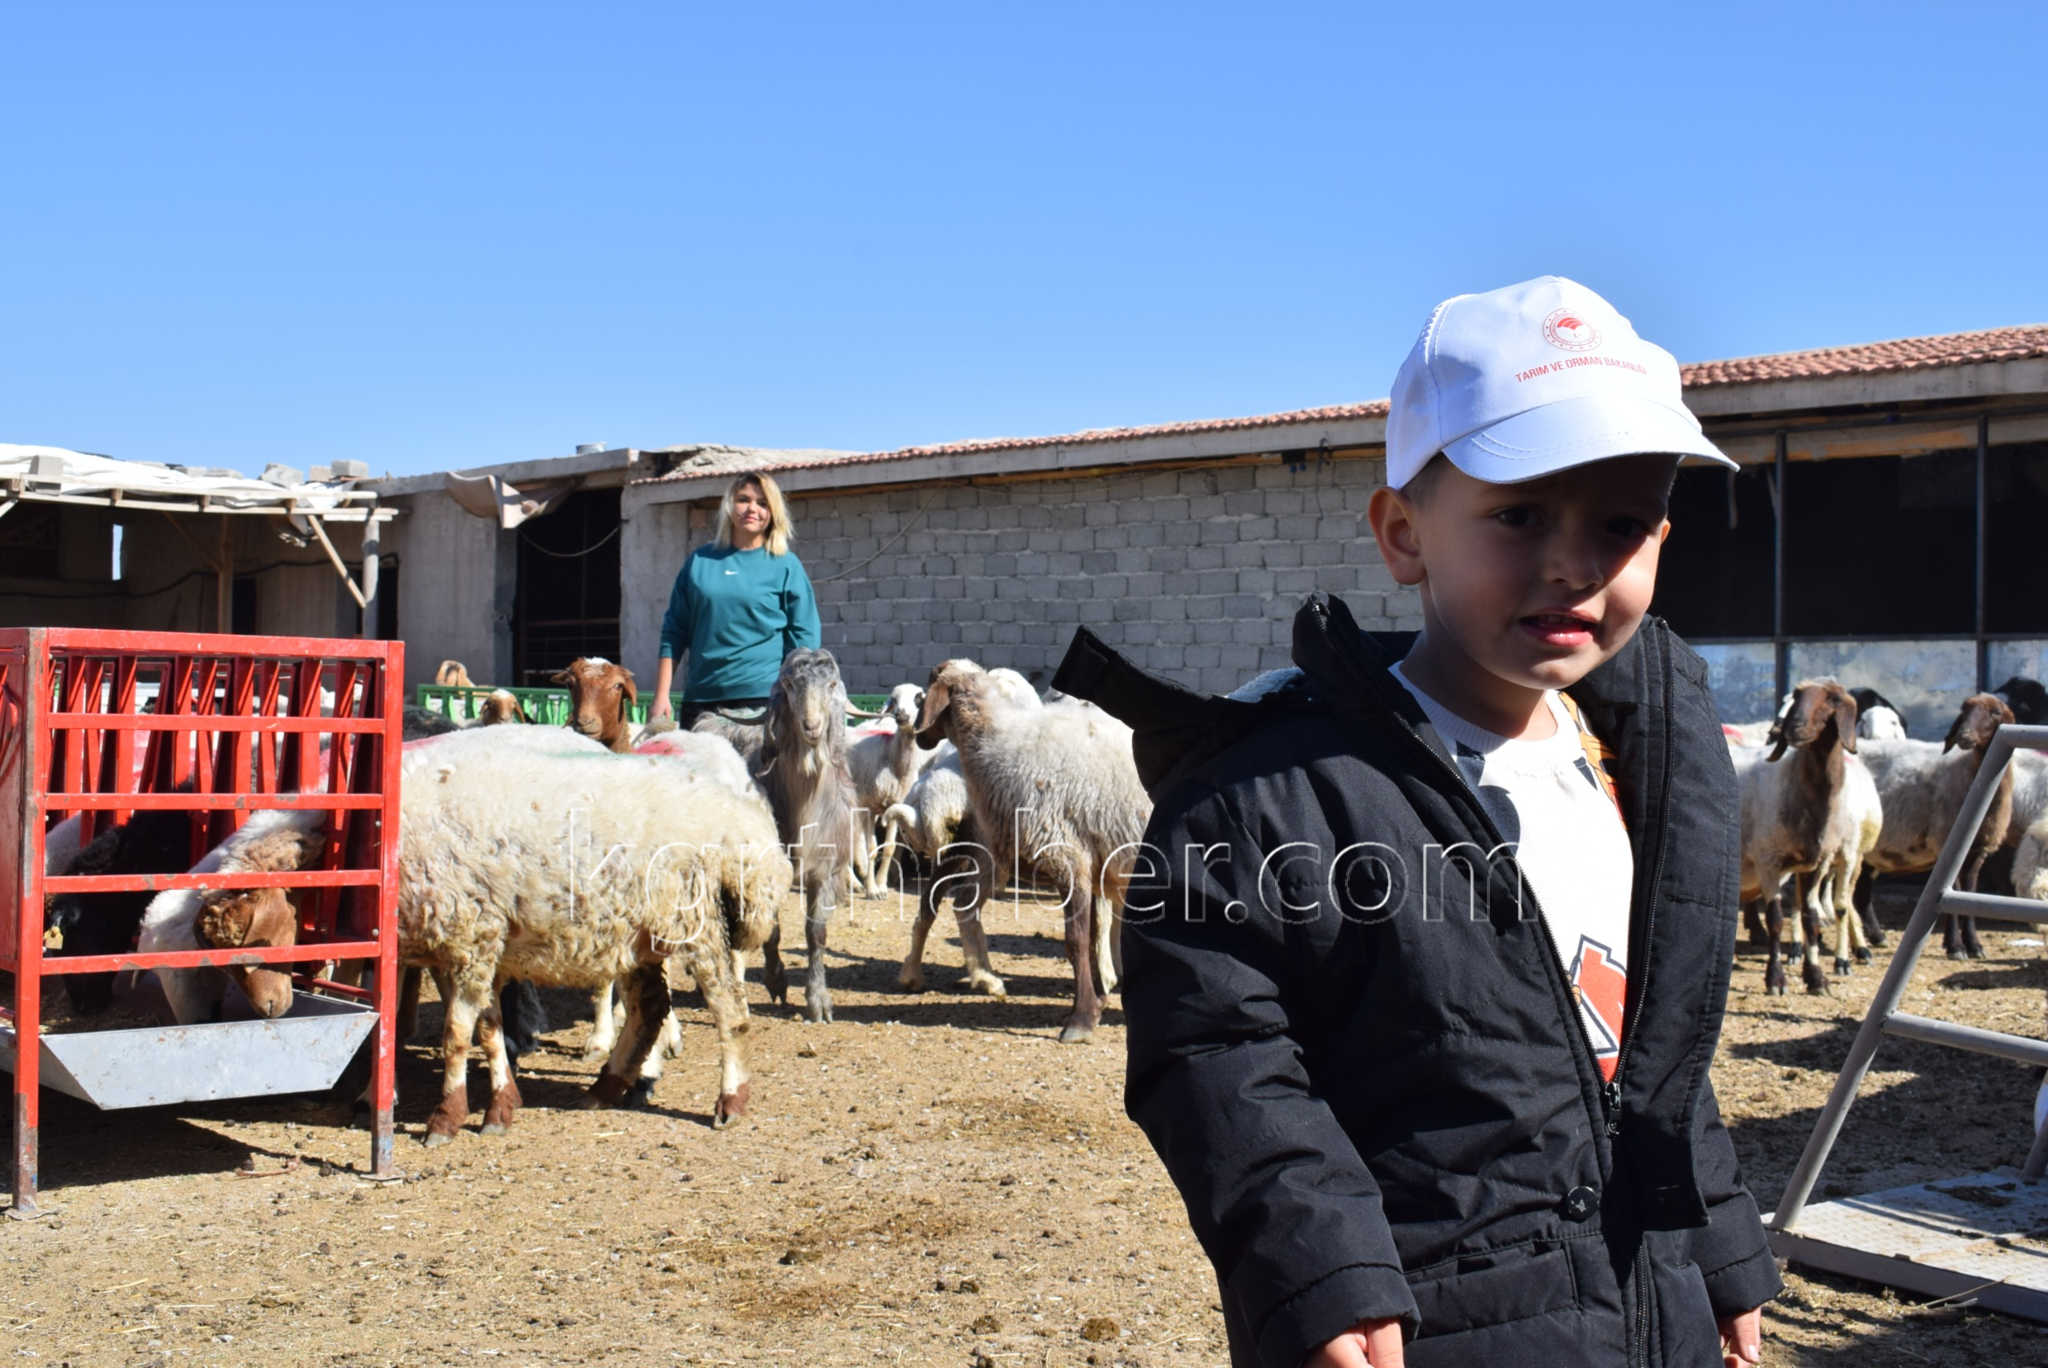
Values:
[(237, 727), (1980, 1235)]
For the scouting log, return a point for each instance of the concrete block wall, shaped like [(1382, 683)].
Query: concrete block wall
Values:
[(1194, 574)]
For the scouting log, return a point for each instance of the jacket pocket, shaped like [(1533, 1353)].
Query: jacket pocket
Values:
[(1687, 1335), (1512, 1305)]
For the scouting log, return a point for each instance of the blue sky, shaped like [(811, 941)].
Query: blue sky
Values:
[(434, 236)]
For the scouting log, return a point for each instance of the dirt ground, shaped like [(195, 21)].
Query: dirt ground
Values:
[(929, 1180)]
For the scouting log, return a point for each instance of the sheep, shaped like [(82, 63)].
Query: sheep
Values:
[(105, 923), (2028, 699), (711, 758), (271, 840), (599, 692), (1877, 717), (884, 765), (1786, 810), (1054, 787), (496, 708), (1922, 788), (932, 817), (571, 869), (1854, 825)]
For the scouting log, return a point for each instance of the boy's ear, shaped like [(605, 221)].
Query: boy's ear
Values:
[(1394, 527)]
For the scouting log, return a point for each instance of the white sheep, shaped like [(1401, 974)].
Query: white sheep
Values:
[(884, 763), (1922, 787), (1052, 790), (1788, 807)]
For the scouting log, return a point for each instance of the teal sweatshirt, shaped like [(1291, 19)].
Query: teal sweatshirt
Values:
[(737, 613)]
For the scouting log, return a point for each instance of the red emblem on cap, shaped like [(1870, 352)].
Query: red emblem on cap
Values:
[(1567, 330)]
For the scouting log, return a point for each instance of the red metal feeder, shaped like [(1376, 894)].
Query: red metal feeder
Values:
[(238, 727)]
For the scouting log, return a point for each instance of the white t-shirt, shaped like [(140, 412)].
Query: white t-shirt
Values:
[(1568, 838)]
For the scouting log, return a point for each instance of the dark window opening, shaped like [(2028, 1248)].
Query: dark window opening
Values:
[(29, 541), (568, 586), (2016, 517), (242, 606), (1714, 573), (386, 606), (1881, 546)]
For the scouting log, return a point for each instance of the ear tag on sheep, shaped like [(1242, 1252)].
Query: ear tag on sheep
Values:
[(53, 938)]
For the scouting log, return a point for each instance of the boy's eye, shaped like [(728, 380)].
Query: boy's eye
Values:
[(1630, 527), (1521, 515)]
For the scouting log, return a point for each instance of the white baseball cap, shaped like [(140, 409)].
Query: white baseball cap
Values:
[(1533, 378)]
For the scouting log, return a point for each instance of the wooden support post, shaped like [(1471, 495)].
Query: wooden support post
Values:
[(372, 545), (224, 587)]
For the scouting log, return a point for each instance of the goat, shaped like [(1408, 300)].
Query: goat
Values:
[(1922, 788), (497, 707), (1786, 810), (1055, 787), (452, 675), (802, 769)]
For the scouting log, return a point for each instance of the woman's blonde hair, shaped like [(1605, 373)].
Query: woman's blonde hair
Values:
[(780, 529)]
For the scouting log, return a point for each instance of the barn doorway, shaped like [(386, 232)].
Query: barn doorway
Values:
[(568, 590)]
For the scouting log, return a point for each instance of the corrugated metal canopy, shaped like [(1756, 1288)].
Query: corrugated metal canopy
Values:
[(42, 474)]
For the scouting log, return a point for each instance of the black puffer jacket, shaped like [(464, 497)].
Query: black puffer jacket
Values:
[(1379, 1101)]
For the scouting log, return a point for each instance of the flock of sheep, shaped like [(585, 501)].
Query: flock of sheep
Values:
[(602, 856), (1833, 793)]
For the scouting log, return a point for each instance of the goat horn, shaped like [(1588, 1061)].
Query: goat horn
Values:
[(852, 711), (756, 720)]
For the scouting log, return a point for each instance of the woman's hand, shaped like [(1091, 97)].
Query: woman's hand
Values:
[(659, 709), (1369, 1344)]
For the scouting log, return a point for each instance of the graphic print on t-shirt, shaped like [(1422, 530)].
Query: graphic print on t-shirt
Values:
[(1600, 982)]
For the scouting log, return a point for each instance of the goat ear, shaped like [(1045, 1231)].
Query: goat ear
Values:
[(563, 676), (1956, 735), (520, 712), (626, 683), (224, 921), (1775, 739), (932, 712), (1845, 722)]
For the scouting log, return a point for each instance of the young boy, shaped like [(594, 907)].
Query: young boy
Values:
[(1424, 985)]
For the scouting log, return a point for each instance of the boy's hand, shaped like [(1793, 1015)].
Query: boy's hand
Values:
[(1369, 1344), (1741, 1339)]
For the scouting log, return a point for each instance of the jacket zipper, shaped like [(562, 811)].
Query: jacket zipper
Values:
[(1610, 1092), (1610, 1089)]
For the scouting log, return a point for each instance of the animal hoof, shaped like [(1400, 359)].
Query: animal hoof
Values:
[(435, 1139), (1958, 954), (731, 1106), (596, 1054), (1774, 989), (1976, 953), (641, 1094), (1863, 956), (987, 984), (1076, 1035), (606, 1092), (909, 982), (492, 1128), (1841, 968)]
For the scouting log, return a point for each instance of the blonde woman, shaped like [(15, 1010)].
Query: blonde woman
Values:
[(740, 604)]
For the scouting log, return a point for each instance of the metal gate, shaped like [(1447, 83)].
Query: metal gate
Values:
[(1977, 1234)]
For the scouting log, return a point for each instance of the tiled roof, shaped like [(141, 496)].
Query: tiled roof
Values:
[(1876, 358), (1870, 358)]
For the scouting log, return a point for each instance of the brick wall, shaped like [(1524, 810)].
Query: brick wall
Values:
[(1194, 574)]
